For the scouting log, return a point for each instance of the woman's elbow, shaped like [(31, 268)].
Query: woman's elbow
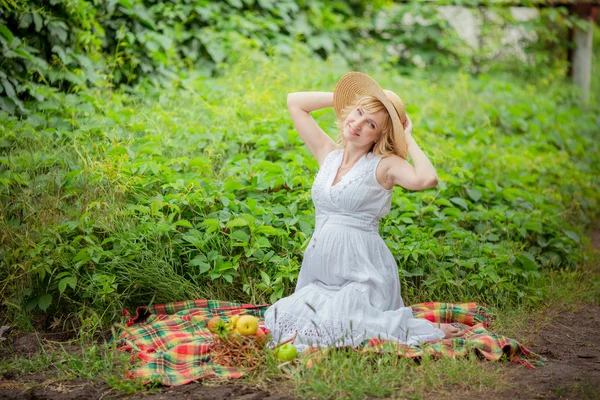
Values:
[(290, 99), (431, 183)]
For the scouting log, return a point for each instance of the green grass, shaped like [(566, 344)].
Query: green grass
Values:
[(347, 374), (62, 362)]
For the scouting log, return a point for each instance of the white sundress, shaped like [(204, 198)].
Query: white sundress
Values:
[(348, 288)]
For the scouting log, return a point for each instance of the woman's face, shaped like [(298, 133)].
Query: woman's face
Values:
[(363, 128)]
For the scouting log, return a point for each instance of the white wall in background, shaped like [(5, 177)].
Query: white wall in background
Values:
[(467, 22)]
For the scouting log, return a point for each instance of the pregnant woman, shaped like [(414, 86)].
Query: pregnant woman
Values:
[(348, 288)]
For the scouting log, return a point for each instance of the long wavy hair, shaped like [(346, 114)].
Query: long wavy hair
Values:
[(387, 144)]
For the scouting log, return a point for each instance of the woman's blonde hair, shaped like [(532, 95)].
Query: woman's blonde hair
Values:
[(387, 144)]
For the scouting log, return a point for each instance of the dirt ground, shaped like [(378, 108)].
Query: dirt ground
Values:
[(572, 371), (570, 343), (84, 389)]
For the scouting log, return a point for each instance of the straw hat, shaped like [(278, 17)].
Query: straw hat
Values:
[(355, 84)]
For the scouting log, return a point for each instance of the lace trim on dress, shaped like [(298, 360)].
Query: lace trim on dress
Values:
[(358, 172), (327, 332), (319, 192)]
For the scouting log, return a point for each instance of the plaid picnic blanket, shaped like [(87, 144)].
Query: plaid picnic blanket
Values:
[(173, 343)]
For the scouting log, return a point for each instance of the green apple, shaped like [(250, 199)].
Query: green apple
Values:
[(286, 352)]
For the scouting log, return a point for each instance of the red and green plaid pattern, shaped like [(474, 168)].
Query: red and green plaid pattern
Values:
[(464, 313), (173, 343)]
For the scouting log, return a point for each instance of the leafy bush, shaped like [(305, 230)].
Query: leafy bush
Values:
[(46, 45), (112, 199), (68, 45)]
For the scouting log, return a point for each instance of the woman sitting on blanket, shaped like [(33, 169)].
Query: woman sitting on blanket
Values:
[(348, 288)]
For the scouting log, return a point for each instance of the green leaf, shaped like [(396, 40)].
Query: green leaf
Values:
[(440, 228), (267, 230), (453, 211), (143, 15), (262, 287), (474, 194), (183, 222), (6, 33), (26, 20), (44, 302), (235, 3), (10, 92), (492, 237), (460, 202), (574, 237), (73, 282), (534, 226), (39, 23), (127, 4), (216, 52), (443, 202), (527, 261), (551, 258), (276, 296), (62, 285), (239, 221), (59, 30), (232, 186), (31, 303), (50, 104), (225, 266), (265, 277), (69, 280), (211, 225), (240, 236), (201, 262), (415, 272), (82, 255), (262, 242)]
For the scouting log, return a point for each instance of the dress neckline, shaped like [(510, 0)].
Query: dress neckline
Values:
[(338, 164)]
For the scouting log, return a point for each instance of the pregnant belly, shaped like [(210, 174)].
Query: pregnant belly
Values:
[(341, 255)]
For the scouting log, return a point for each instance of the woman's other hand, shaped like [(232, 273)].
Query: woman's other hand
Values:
[(408, 127)]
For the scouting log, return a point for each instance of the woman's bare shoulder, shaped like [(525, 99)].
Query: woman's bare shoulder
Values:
[(388, 162)]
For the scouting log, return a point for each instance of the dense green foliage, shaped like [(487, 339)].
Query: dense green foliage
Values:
[(146, 154), (68, 45), (115, 199)]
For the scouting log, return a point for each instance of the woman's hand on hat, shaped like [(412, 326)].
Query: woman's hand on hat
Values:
[(408, 127)]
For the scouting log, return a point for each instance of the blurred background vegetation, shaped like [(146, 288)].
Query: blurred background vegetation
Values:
[(146, 154), (72, 44)]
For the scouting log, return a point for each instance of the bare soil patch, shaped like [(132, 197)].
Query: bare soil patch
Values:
[(571, 344), (197, 391), (572, 348), (85, 389), (42, 388)]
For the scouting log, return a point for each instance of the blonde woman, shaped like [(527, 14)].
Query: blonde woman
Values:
[(348, 288)]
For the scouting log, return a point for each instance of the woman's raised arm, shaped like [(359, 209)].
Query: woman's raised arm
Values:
[(420, 177), (301, 104)]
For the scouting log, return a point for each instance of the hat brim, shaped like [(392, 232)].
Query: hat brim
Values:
[(355, 84)]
